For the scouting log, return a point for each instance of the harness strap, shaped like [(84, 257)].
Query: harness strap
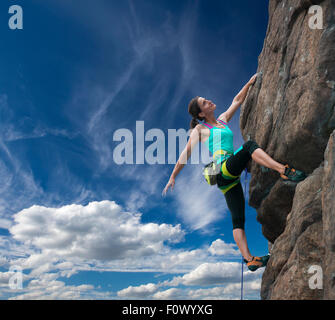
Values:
[(225, 189), (226, 173)]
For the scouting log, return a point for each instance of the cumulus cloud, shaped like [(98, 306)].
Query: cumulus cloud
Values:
[(169, 294), (231, 291), (44, 287), (184, 258), (100, 230), (59, 242), (210, 274), (223, 280), (51, 289), (100, 236), (219, 247), (140, 292)]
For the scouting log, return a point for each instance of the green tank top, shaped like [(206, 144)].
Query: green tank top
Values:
[(220, 141)]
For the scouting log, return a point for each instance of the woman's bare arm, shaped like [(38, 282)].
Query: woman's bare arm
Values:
[(238, 100), (184, 156)]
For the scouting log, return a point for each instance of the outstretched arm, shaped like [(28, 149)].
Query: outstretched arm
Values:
[(238, 100), (184, 156)]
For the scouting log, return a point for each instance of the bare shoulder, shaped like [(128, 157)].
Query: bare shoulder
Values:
[(203, 132), (200, 127)]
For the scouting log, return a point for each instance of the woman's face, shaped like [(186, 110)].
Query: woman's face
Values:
[(206, 106)]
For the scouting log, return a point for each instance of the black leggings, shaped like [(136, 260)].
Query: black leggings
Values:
[(230, 185)]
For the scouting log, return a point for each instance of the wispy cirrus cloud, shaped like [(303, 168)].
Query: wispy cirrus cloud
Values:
[(199, 205), (20, 186), (144, 47)]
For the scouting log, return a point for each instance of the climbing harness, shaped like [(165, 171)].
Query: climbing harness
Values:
[(210, 172), (212, 169)]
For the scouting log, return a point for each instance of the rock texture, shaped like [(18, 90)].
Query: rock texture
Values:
[(290, 113)]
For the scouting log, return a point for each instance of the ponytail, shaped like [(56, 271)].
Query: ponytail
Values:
[(194, 122)]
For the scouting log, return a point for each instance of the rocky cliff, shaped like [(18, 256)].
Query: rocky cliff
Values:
[(290, 113)]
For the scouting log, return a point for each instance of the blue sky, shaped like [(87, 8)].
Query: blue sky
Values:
[(78, 224)]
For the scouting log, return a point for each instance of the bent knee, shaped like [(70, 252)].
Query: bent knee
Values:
[(238, 223), (251, 146)]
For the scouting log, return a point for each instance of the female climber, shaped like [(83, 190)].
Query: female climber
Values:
[(217, 136)]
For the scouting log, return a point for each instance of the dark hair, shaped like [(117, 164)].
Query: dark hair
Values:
[(194, 110)]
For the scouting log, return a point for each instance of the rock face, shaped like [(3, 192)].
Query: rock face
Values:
[(290, 113)]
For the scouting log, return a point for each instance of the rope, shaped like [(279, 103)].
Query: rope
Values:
[(242, 279), (242, 261)]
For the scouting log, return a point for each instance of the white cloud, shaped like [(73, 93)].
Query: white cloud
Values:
[(217, 273), (98, 236), (169, 294), (232, 291), (100, 230), (223, 280), (219, 247), (53, 290), (211, 274), (59, 242), (47, 287), (140, 292), (184, 258), (216, 293)]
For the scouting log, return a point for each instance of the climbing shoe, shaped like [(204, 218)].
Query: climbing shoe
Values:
[(293, 174), (257, 262)]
